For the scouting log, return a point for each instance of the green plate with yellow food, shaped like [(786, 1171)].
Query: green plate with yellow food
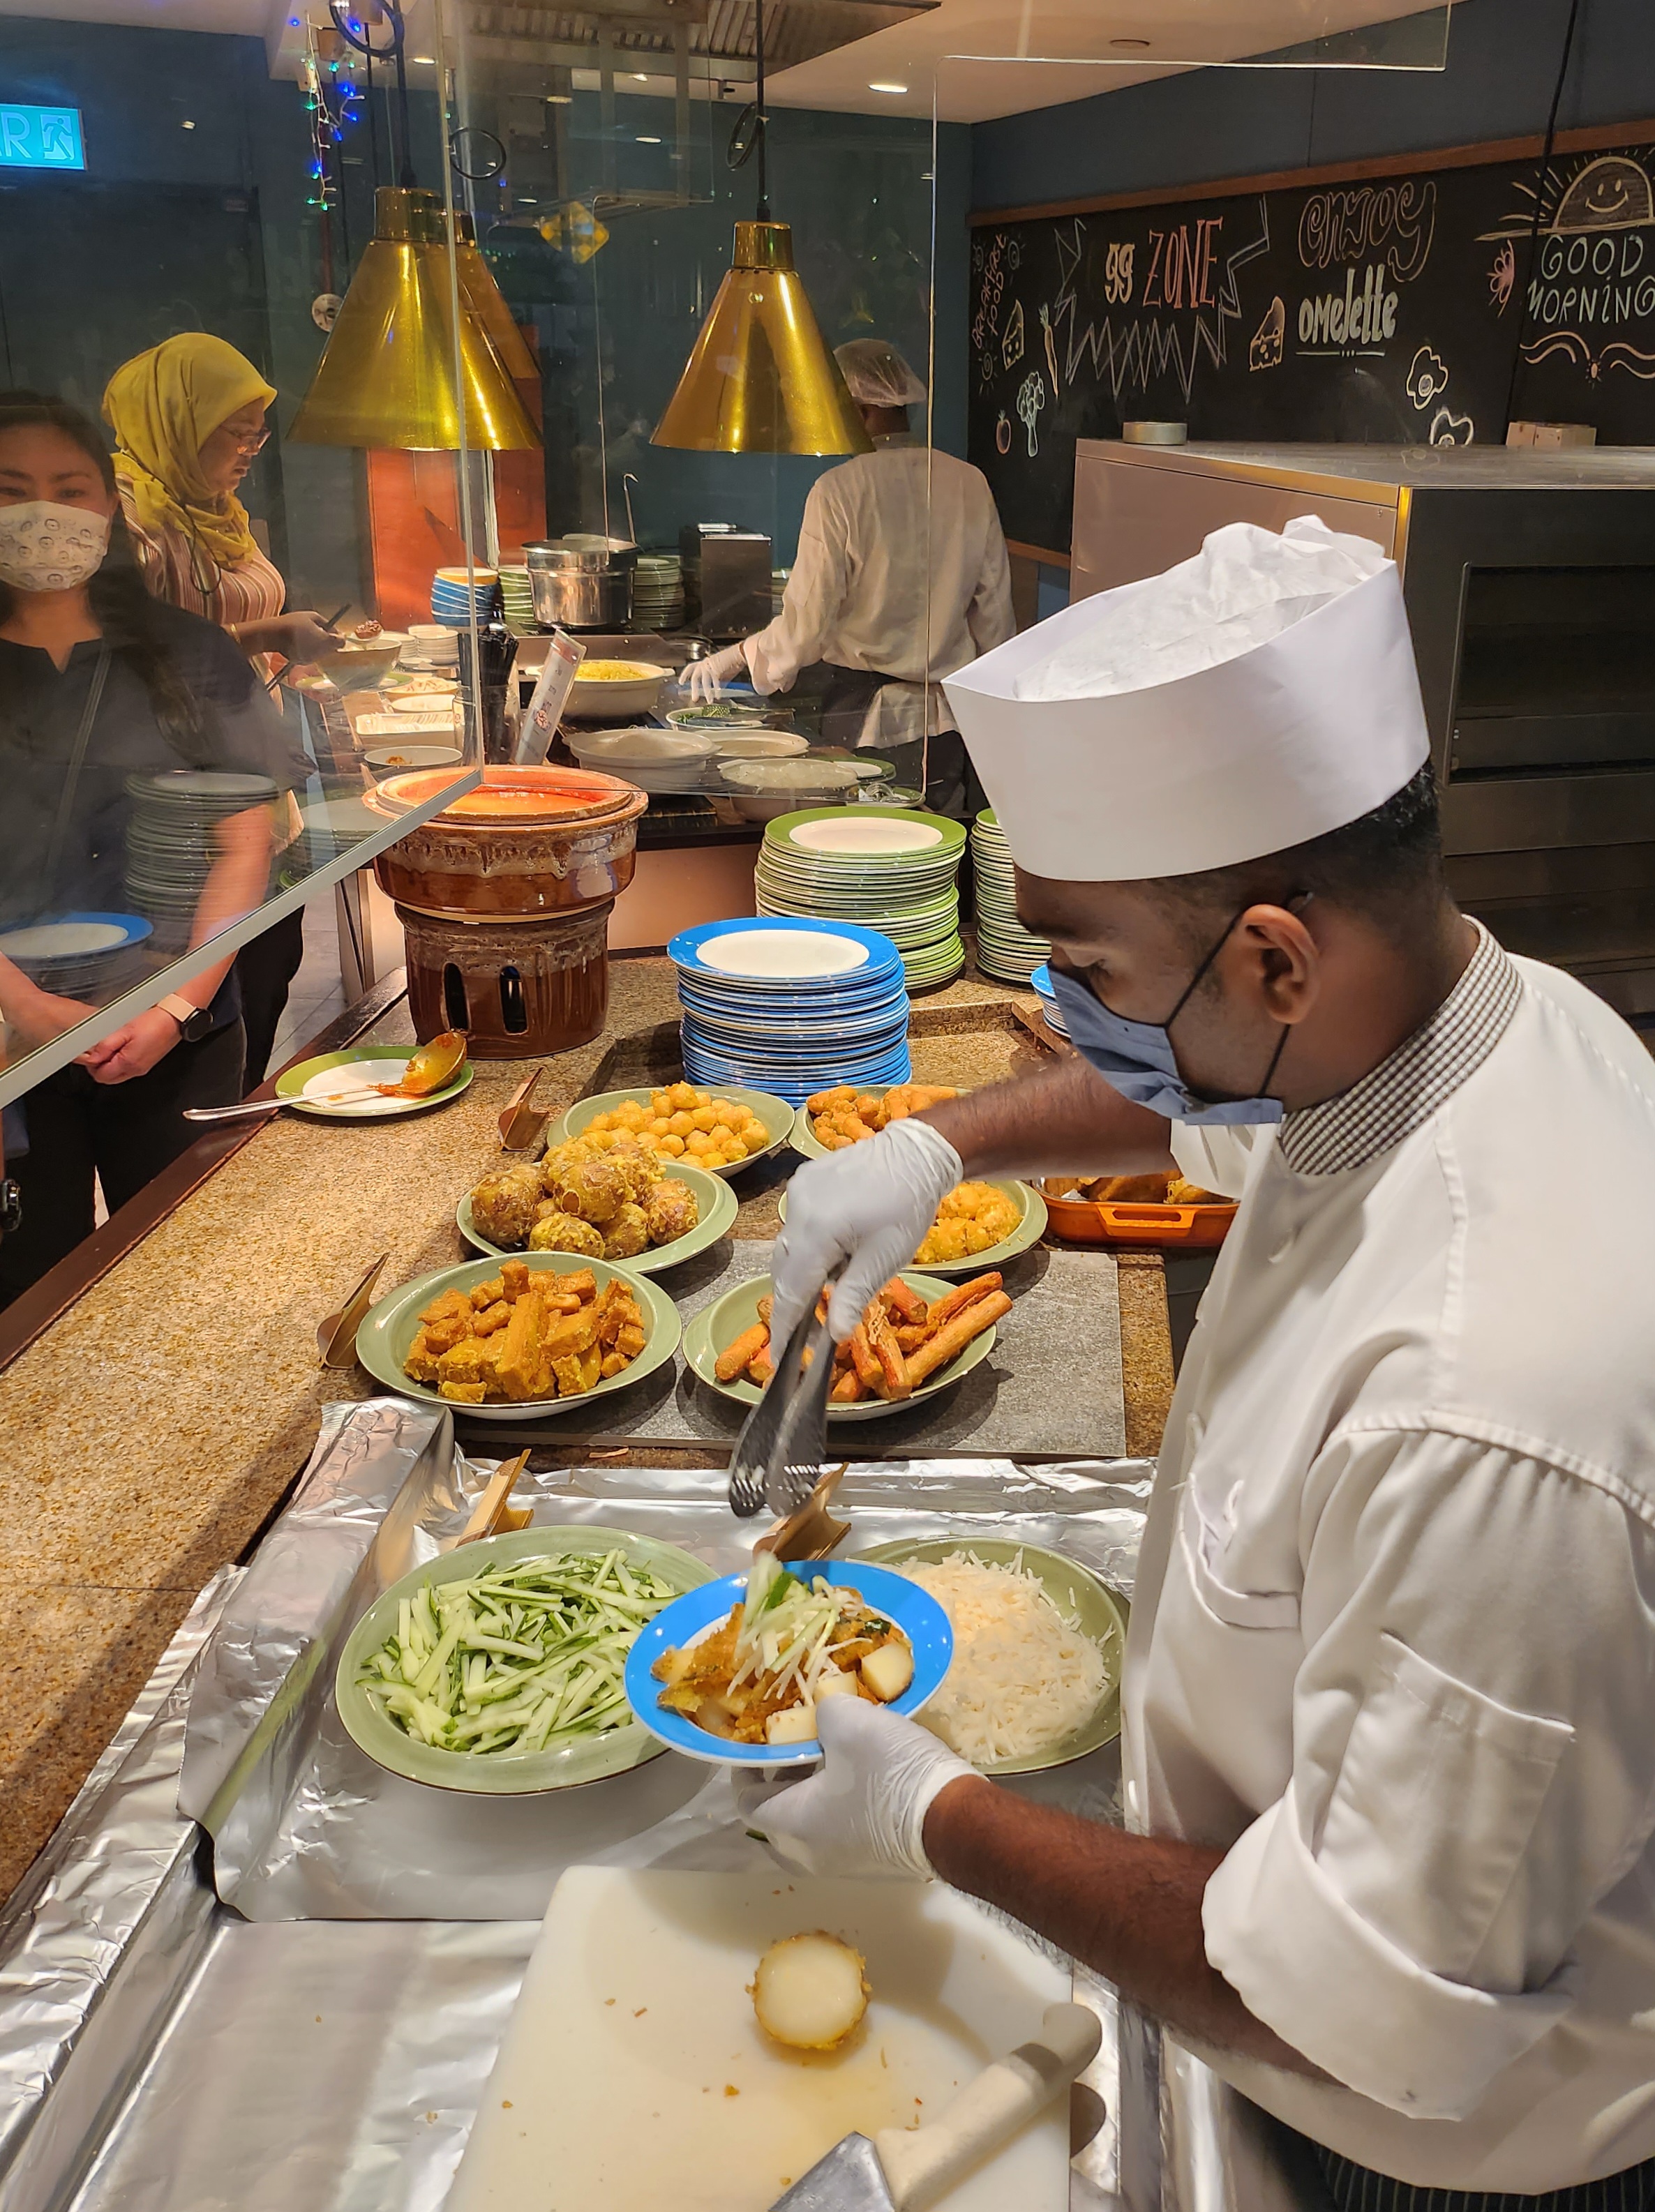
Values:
[(716, 1204), (1015, 1601), (1026, 1205), (635, 1113), (547, 1713), (718, 1329), (386, 1341)]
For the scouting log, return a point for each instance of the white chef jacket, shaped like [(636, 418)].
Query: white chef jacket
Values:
[(873, 575), (1393, 1643)]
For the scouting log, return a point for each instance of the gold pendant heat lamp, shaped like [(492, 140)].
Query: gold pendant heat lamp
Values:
[(760, 379), (387, 377)]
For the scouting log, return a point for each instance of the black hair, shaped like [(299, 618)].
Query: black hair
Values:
[(1386, 866), (127, 615)]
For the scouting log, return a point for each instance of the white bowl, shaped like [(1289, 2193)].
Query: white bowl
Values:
[(615, 698)]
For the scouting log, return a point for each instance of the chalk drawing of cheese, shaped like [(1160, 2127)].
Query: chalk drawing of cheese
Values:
[(1265, 350)]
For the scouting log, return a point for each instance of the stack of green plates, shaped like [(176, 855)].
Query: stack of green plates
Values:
[(889, 868), (1004, 948), (517, 601)]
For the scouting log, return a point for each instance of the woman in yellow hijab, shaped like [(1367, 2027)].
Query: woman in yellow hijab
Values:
[(189, 418)]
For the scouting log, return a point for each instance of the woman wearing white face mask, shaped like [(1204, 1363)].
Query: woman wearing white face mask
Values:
[(98, 683)]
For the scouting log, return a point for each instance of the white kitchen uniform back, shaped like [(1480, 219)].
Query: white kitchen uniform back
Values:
[(1393, 1637)]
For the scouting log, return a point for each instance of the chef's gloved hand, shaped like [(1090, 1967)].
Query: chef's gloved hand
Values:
[(862, 1813), (870, 1206), (707, 678)]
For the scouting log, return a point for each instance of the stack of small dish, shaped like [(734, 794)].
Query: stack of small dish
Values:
[(457, 593), (431, 646), (790, 1006), (657, 592), (1004, 948), (1041, 980), (94, 957), (655, 759), (170, 845), (891, 868), (517, 600)]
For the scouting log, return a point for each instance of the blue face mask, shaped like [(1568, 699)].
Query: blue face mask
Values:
[(1137, 1059)]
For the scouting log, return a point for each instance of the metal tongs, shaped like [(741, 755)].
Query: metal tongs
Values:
[(782, 1450)]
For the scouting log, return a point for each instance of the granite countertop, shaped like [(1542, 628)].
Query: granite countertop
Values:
[(147, 1435)]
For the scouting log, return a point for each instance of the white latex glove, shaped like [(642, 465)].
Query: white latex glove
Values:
[(862, 1813), (707, 678), (869, 1205)]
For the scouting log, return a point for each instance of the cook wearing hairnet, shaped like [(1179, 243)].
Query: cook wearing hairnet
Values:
[(900, 579)]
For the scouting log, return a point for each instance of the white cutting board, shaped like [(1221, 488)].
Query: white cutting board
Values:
[(613, 2089)]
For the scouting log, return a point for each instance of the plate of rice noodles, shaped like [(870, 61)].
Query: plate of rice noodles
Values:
[(1038, 1645)]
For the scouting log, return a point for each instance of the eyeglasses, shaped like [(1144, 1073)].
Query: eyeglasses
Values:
[(253, 445)]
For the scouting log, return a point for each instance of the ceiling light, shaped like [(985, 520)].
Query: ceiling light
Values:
[(650, 142), (1128, 42), (639, 77), (887, 88), (560, 99), (427, 61), (186, 126)]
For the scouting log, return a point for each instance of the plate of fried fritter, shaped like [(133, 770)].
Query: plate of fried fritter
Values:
[(619, 1202), (978, 1224), (514, 1339)]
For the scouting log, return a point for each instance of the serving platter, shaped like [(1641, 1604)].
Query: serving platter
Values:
[(716, 1327), (719, 1207), (385, 1336), (688, 1619), (774, 1113), (533, 1773), (1083, 1599), (339, 1086)]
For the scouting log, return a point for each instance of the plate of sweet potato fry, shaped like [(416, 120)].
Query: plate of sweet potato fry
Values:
[(917, 1337)]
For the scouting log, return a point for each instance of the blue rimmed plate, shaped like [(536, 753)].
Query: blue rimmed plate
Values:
[(688, 1619)]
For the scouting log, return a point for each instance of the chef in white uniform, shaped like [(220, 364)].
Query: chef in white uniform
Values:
[(901, 577), (1390, 1703)]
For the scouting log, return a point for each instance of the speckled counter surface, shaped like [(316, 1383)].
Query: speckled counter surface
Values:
[(148, 1434)]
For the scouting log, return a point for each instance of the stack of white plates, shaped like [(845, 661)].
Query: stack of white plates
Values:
[(1004, 948), (657, 592), (1041, 980), (93, 957), (791, 1006), (890, 868), (517, 601), (170, 845), (653, 758)]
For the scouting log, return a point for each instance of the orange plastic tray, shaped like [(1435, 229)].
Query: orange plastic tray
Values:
[(1083, 1221)]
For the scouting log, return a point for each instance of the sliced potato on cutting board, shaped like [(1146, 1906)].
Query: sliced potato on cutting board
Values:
[(634, 2075)]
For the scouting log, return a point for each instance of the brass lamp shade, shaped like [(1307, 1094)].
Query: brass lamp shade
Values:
[(482, 296), (386, 378), (761, 379)]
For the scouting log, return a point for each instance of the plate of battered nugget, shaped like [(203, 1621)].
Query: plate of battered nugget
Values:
[(513, 1338), (619, 1202)]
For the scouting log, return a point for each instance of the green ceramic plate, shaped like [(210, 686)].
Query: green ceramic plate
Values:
[(613, 1752), (1031, 1226), (774, 1113), (804, 1138), (1085, 1602), (719, 1208), (951, 836), (717, 1326), (384, 1337), (338, 1085)]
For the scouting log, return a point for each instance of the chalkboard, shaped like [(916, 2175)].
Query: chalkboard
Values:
[(1383, 310)]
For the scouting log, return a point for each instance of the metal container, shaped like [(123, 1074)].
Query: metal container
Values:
[(581, 582)]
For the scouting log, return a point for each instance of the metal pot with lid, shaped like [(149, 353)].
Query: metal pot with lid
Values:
[(583, 581)]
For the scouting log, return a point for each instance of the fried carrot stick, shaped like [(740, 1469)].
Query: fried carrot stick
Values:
[(748, 1346), (955, 1335), (963, 1295), (848, 1390), (908, 1303), (892, 1379), (869, 1372), (760, 1371)]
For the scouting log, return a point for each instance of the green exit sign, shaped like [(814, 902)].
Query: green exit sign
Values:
[(40, 138)]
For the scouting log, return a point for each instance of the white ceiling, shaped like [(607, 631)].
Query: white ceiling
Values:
[(990, 57), (975, 53)]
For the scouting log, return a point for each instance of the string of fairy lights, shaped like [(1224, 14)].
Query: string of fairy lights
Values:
[(333, 103)]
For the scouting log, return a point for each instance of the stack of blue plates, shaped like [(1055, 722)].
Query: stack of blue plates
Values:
[(1041, 980), (776, 1003), (456, 592)]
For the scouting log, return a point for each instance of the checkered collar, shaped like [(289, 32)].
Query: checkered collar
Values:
[(1406, 1089)]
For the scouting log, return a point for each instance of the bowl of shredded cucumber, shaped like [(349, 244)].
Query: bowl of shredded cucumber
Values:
[(499, 1668)]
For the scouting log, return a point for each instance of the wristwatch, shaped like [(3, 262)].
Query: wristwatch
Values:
[(193, 1021)]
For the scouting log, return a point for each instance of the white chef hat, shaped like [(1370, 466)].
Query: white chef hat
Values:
[(1255, 696), (876, 373)]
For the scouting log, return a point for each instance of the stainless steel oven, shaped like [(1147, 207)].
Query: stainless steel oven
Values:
[(1530, 582)]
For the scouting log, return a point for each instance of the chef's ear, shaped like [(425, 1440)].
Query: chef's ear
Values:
[(1281, 953)]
